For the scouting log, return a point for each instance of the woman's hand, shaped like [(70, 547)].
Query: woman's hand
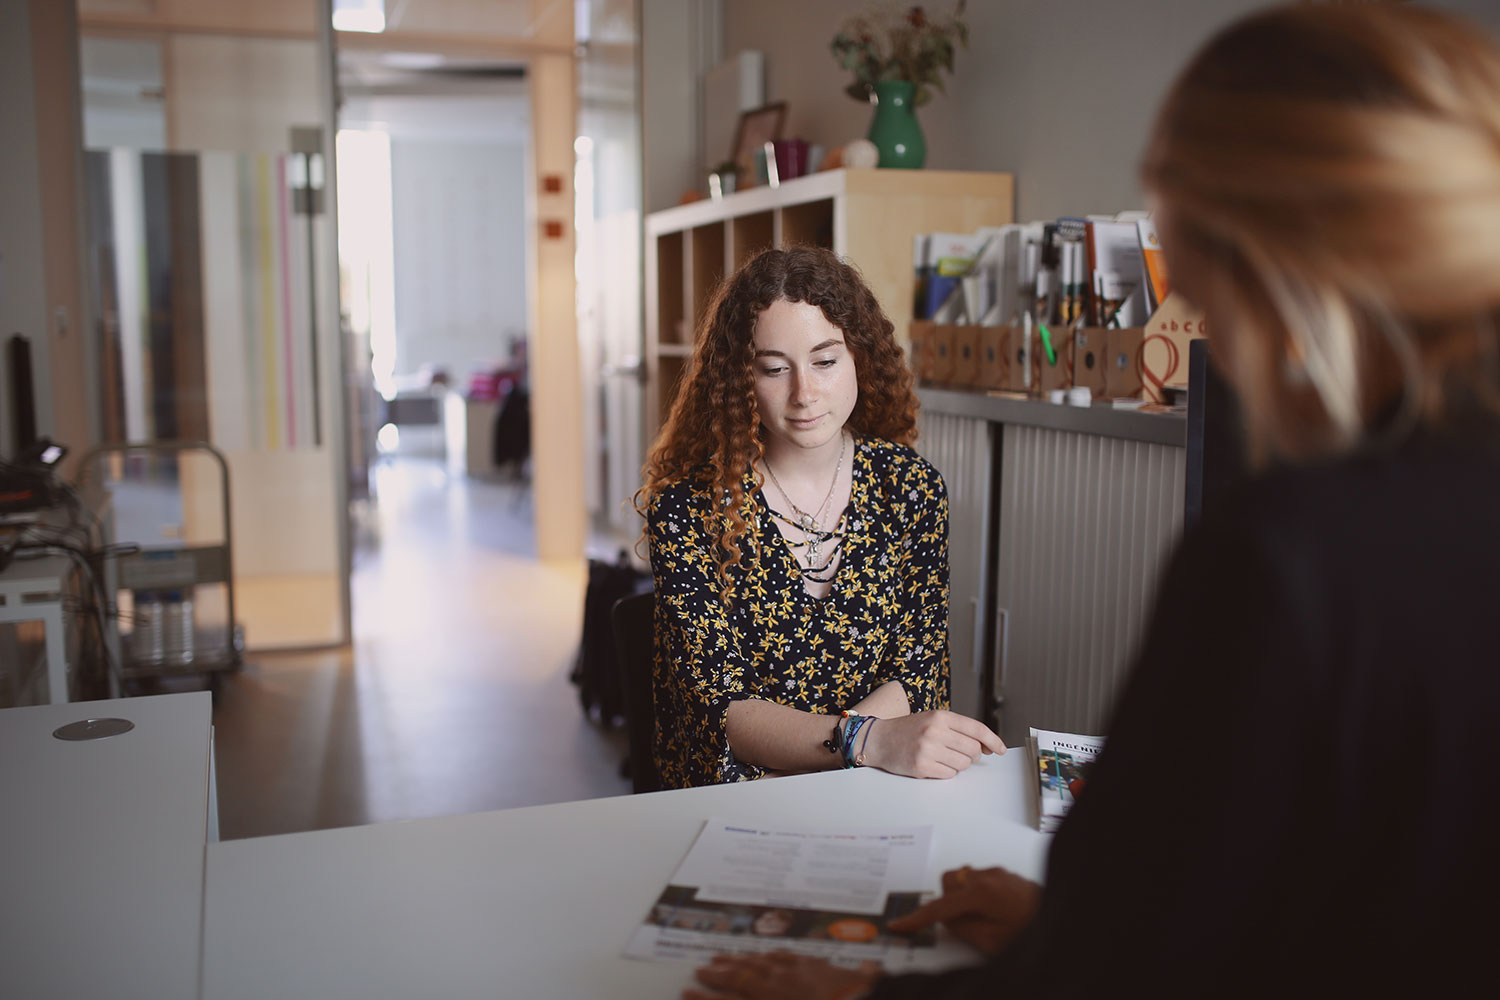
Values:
[(986, 907), (781, 975), (927, 744)]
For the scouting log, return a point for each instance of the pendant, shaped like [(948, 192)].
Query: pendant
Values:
[(807, 524)]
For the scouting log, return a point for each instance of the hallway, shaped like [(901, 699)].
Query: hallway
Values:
[(455, 696)]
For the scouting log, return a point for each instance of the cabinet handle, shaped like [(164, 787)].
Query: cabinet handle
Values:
[(976, 655), (1002, 650)]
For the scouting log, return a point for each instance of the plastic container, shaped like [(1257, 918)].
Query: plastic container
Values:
[(147, 635), (177, 628)]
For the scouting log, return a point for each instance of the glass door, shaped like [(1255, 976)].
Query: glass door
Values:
[(212, 252), (607, 184)]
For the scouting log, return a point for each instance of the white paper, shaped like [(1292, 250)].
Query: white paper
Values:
[(746, 889), (812, 869)]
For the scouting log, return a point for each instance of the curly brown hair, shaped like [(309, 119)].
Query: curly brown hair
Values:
[(713, 433)]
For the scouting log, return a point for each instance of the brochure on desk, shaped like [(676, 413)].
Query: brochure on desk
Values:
[(1062, 762), (747, 889)]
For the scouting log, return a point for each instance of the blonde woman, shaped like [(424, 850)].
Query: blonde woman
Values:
[(1327, 181)]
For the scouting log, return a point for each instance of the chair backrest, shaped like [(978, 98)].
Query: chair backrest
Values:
[(635, 646)]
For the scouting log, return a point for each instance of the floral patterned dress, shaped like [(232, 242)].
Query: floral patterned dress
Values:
[(885, 619)]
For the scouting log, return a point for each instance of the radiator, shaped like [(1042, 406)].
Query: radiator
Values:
[(960, 448), (1086, 524)]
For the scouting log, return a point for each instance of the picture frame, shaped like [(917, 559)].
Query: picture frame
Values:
[(756, 128)]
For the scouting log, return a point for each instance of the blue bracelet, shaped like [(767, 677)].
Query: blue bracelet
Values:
[(856, 723)]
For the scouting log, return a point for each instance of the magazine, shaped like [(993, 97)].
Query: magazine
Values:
[(1062, 763), (745, 889)]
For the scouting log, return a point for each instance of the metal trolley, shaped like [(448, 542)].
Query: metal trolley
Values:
[(166, 518)]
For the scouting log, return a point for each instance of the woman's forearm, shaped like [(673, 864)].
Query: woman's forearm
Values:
[(786, 739), (779, 737), (885, 702)]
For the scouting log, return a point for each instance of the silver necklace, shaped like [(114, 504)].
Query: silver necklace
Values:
[(809, 524)]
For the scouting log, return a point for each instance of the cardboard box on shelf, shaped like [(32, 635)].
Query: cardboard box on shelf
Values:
[(1051, 369), (921, 349), (966, 370), (994, 359), (1164, 352), (1017, 360), (942, 355), (1090, 352), (1122, 362)]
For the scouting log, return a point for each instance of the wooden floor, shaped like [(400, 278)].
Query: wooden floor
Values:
[(454, 696)]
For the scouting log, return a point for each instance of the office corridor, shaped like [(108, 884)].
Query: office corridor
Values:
[(454, 697)]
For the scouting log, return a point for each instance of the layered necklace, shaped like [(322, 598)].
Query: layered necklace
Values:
[(815, 535)]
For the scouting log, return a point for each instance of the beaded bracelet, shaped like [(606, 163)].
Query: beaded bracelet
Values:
[(835, 742)]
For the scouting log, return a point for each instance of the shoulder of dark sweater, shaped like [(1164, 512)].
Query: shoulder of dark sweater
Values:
[(1385, 505), (1372, 575)]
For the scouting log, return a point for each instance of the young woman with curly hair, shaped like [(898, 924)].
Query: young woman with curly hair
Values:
[(799, 544)]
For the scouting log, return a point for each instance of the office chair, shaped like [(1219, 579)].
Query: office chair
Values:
[(635, 646)]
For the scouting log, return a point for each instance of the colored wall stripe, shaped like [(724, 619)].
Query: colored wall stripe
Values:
[(283, 220), (267, 276)]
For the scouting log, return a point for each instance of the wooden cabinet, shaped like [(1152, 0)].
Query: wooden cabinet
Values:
[(868, 216)]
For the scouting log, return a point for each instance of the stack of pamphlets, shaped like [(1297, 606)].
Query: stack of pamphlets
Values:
[(1062, 762), (748, 889)]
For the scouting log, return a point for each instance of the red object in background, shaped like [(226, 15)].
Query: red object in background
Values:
[(791, 158), (1075, 786), (484, 386)]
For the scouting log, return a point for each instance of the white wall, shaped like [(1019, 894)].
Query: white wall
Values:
[(460, 252), (679, 40), (1059, 92), (123, 92)]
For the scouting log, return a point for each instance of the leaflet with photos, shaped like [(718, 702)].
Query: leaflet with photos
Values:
[(1062, 764), (748, 889)]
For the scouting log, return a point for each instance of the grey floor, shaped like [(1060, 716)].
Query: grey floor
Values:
[(454, 696)]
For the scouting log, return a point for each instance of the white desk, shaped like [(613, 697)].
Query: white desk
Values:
[(539, 902), (101, 850)]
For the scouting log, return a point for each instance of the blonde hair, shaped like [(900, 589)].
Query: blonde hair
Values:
[(1334, 173)]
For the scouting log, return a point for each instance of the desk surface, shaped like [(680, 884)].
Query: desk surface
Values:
[(540, 902), (101, 850)]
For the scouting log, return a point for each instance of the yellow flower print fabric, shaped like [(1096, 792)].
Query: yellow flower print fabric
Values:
[(885, 619)]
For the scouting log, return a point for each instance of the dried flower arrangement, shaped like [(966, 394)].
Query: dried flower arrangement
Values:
[(893, 42)]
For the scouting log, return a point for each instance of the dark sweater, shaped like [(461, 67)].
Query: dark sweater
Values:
[(1300, 793)]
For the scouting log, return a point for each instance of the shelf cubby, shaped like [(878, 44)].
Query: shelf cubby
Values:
[(868, 216), (810, 224), (707, 266), (670, 291), (750, 234)]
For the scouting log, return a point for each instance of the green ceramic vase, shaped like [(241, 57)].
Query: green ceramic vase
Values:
[(895, 131)]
